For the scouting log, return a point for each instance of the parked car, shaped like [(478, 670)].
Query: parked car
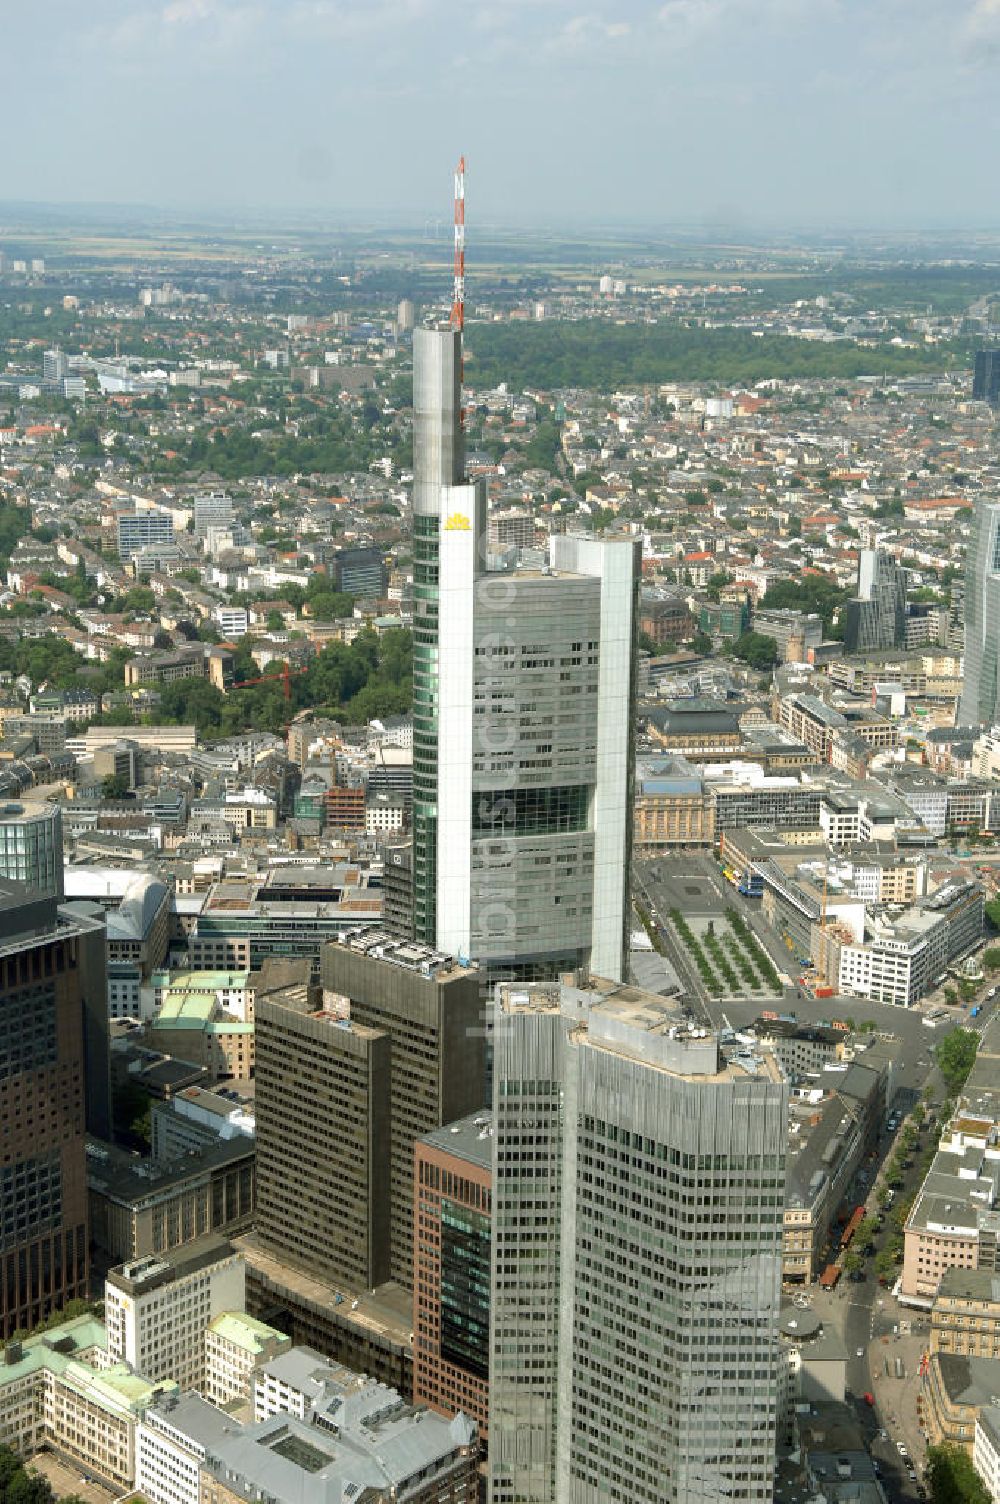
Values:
[(901, 1449)]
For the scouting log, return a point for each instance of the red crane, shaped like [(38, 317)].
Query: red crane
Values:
[(285, 676)]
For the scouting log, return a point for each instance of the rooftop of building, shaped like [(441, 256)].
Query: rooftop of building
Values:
[(968, 1380), (246, 1332), (329, 1458), (469, 1139), (640, 1025), (386, 1312), (980, 1286), (179, 1263), (411, 955), (121, 1177)]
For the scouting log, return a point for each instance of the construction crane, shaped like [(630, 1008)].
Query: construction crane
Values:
[(285, 677)]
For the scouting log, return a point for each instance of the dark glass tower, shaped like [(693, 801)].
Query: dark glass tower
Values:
[(986, 377)]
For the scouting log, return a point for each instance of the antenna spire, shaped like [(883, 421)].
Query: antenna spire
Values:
[(457, 320)]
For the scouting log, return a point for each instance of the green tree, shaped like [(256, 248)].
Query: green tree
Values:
[(991, 958), (951, 1478), (956, 1056), (115, 786), (756, 649)]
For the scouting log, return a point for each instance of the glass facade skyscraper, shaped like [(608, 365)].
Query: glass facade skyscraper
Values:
[(875, 621), (981, 682), (637, 1227), (523, 715)]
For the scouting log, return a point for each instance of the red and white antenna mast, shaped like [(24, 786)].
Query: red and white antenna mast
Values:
[(457, 320)]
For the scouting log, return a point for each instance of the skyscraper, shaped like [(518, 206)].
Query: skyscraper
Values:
[(986, 377), (875, 620), (428, 1010), (981, 686), (524, 683), (637, 1226), (43, 1176)]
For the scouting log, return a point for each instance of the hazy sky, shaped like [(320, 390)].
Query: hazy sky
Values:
[(763, 111)]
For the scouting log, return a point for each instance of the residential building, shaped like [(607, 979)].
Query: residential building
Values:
[(232, 621), (157, 1309), (429, 1009), (875, 620), (523, 719), (452, 1215), (980, 702), (44, 1232), (626, 1116)]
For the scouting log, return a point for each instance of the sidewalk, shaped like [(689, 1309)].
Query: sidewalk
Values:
[(896, 1399)]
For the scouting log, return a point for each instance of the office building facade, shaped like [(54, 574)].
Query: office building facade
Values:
[(43, 1179), (452, 1219), (138, 530), (427, 1008), (875, 620), (359, 571), (637, 1224), (981, 688), (322, 1110), (524, 685), (31, 846)]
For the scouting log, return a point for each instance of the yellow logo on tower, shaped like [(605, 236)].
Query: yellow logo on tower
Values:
[(457, 522)]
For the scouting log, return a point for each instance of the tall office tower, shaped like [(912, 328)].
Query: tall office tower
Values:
[(981, 686), (31, 846), (876, 619), (322, 1111), (43, 1175), (524, 683), (428, 1009), (986, 377), (405, 314), (637, 1224), (452, 1210)]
